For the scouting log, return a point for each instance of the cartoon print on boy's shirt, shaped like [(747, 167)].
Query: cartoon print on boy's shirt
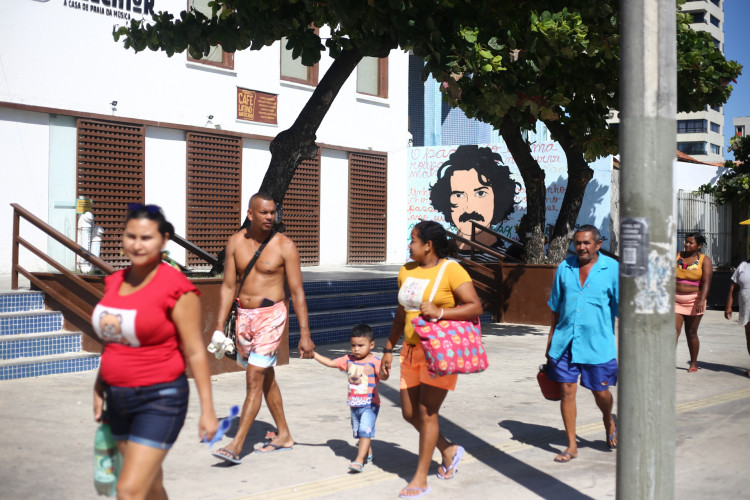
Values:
[(358, 381), (411, 294), (115, 325), (361, 384)]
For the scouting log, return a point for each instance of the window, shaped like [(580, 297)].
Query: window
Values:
[(110, 172), (372, 76), (214, 175), (715, 149), (716, 2), (216, 57), (739, 130), (716, 108), (715, 128), (717, 43), (692, 148), (698, 17), (691, 126), (714, 21), (293, 70), (367, 234)]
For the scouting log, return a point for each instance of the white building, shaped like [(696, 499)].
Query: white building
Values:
[(700, 134), (741, 126), (81, 116)]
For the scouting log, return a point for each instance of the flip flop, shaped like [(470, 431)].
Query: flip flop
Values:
[(369, 459), (422, 492), (227, 456), (356, 466), (610, 437), (566, 457), (454, 464), (275, 448)]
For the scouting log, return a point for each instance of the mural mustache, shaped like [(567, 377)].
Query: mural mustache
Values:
[(471, 216)]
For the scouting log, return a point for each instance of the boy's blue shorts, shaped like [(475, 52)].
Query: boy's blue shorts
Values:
[(594, 377), (363, 421)]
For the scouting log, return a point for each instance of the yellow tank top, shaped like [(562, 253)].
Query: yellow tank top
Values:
[(692, 273)]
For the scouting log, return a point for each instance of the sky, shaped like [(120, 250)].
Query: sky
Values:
[(736, 44)]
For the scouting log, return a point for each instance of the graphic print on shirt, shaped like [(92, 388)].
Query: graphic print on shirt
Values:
[(358, 381), (116, 325), (412, 292), (360, 388)]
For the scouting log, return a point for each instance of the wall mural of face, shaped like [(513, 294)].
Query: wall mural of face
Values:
[(471, 199), (474, 184)]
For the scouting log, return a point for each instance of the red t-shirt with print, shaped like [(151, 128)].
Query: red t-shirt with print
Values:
[(141, 341)]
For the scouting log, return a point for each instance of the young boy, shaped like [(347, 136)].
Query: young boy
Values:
[(363, 372)]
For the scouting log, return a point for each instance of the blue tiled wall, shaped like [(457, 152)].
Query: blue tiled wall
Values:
[(10, 349), (36, 323), (48, 368), (24, 301)]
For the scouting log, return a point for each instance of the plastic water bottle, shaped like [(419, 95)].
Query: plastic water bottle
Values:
[(106, 461)]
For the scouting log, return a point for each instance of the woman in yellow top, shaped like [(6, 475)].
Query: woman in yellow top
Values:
[(694, 273), (422, 394)]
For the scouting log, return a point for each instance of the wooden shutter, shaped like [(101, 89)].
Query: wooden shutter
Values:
[(301, 208), (110, 166), (214, 167), (367, 208)]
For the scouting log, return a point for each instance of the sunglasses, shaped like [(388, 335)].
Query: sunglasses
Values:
[(152, 209)]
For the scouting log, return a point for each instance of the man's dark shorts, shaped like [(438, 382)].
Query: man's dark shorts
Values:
[(594, 377)]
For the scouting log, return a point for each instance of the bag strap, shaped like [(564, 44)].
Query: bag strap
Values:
[(255, 259), (438, 279)]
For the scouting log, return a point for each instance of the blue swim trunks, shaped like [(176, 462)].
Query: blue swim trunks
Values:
[(594, 377)]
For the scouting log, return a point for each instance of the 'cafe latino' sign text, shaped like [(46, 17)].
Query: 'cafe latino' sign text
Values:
[(256, 106)]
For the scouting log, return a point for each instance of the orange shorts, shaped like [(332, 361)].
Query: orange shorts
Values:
[(414, 370)]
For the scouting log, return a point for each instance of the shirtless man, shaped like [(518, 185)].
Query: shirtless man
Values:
[(261, 317)]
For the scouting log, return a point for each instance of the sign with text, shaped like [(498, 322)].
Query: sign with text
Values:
[(256, 106)]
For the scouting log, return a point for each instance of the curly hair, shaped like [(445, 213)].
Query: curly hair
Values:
[(491, 172)]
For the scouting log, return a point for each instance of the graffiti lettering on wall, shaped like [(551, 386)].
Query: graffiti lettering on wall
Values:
[(456, 185), (119, 9)]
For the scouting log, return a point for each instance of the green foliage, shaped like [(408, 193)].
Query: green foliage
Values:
[(735, 184), (560, 63), (703, 73)]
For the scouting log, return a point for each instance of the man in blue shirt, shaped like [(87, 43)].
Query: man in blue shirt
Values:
[(582, 337)]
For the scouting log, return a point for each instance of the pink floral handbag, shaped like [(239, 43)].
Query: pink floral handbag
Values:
[(450, 346)]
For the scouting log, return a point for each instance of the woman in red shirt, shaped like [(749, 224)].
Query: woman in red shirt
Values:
[(149, 320)]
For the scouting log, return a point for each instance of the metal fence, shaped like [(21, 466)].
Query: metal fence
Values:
[(700, 213)]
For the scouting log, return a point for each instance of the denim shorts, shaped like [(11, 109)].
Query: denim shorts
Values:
[(363, 421), (594, 377), (151, 415)]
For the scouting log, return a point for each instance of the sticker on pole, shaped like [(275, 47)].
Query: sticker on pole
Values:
[(634, 239)]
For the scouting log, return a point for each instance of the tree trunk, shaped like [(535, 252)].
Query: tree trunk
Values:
[(579, 175), (297, 143), (531, 228)]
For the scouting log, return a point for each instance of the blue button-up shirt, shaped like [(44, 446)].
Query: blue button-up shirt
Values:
[(587, 313)]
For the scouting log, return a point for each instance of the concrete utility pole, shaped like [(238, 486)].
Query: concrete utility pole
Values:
[(646, 406)]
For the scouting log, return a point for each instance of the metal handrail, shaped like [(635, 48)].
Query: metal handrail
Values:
[(18, 213), (503, 238), (190, 247)]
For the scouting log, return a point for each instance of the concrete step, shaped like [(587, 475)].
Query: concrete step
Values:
[(48, 365)]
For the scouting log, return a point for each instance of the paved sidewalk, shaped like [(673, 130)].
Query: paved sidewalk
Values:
[(511, 434)]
